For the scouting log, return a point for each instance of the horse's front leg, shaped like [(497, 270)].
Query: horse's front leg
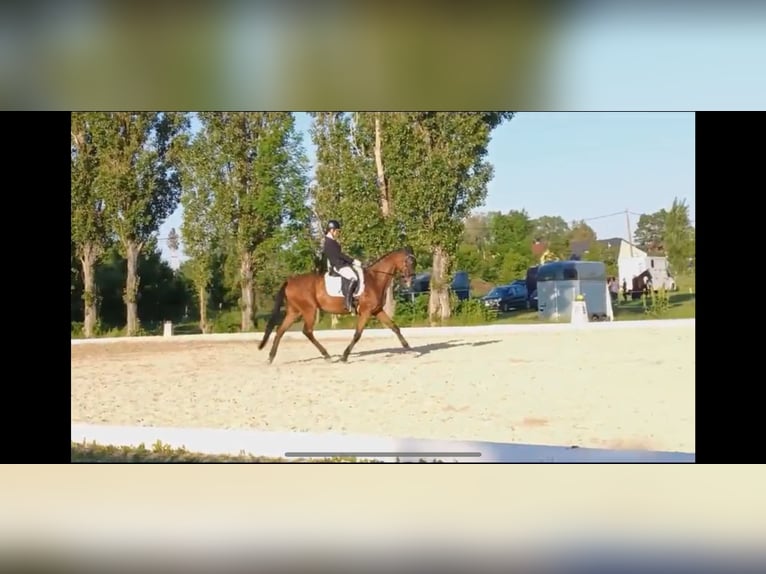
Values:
[(360, 324), (383, 317)]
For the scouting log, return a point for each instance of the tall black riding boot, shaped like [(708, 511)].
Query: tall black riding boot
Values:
[(350, 296)]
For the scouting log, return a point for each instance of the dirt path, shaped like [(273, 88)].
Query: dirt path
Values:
[(616, 389)]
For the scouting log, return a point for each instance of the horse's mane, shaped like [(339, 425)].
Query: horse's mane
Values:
[(382, 257)]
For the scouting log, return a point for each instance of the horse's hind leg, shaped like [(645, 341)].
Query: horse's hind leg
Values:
[(308, 330), (289, 319), (383, 317)]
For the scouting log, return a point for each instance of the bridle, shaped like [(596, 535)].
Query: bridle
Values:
[(409, 259)]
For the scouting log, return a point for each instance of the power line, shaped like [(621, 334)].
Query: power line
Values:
[(604, 216)]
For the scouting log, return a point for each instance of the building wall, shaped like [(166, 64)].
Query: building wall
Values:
[(625, 251)]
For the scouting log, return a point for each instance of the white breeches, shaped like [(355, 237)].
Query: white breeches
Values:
[(347, 273)]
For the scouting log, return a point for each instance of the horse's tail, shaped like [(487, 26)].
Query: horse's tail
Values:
[(274, 319)]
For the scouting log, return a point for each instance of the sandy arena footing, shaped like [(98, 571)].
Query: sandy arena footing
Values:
[(630, 389)]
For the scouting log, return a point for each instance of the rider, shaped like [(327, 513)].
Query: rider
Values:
[(339, 261)]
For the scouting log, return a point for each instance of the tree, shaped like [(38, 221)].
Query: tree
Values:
[(165, 295), (581, 232), (385, 203), (608, 255), (351, 183), (199, 174), (88, 220), (476, 231), (137, 153), (438, 166), (347, 187), (679, 236), (260, 191), (511, 243), (474, 252), (650, 232), (553, 231)]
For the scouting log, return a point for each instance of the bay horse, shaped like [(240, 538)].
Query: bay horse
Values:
[(303, 294)]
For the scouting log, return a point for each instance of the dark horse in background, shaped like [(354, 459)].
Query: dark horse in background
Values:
[(303, 294), (642, 283)]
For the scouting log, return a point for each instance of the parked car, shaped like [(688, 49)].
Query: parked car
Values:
[(461, 285), (506, 297), (421, 283)]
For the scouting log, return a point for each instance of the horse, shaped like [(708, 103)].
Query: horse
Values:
[(303, 294), (641, 284)]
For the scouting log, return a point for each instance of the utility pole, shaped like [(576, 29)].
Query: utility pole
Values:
[(630, 237)]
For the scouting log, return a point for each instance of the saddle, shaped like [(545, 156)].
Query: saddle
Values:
[(338, 286)]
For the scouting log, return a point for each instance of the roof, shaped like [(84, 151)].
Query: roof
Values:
[(579, 248), (539, 247)]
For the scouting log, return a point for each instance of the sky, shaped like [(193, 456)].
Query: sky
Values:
[(579, 165)]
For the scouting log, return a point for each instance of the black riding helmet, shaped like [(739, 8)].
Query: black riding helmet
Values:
[(333, 224)]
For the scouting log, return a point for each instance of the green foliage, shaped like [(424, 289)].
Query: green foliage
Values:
[(598, 252), (679, 236), (514, 265), (581, 232), (201, 242), (92, 452), (89, 224), (137, 158), (465, 312), (164, 294), (346, 186), (554, 231), (650, 232), (473, 311), (246, 179), (227, 322), (242, 183), (656, 304), (412, 310), (439, 170)]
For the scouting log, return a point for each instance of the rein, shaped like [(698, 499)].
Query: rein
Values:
[(369, 267)]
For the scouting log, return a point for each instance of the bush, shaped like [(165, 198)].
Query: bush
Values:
[(76, 330), (412, 310), (473, 311), (227, 322), (467, 311), (656, 304)]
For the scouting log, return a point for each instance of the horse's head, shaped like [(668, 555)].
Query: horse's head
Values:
[(405, 264)]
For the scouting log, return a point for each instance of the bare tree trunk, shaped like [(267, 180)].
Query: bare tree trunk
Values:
[(203, 309), (438, 300), (132, 250), (88, 261), (246, 281), (389, 307)]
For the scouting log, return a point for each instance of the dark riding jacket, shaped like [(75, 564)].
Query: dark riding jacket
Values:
[(334, 255)]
